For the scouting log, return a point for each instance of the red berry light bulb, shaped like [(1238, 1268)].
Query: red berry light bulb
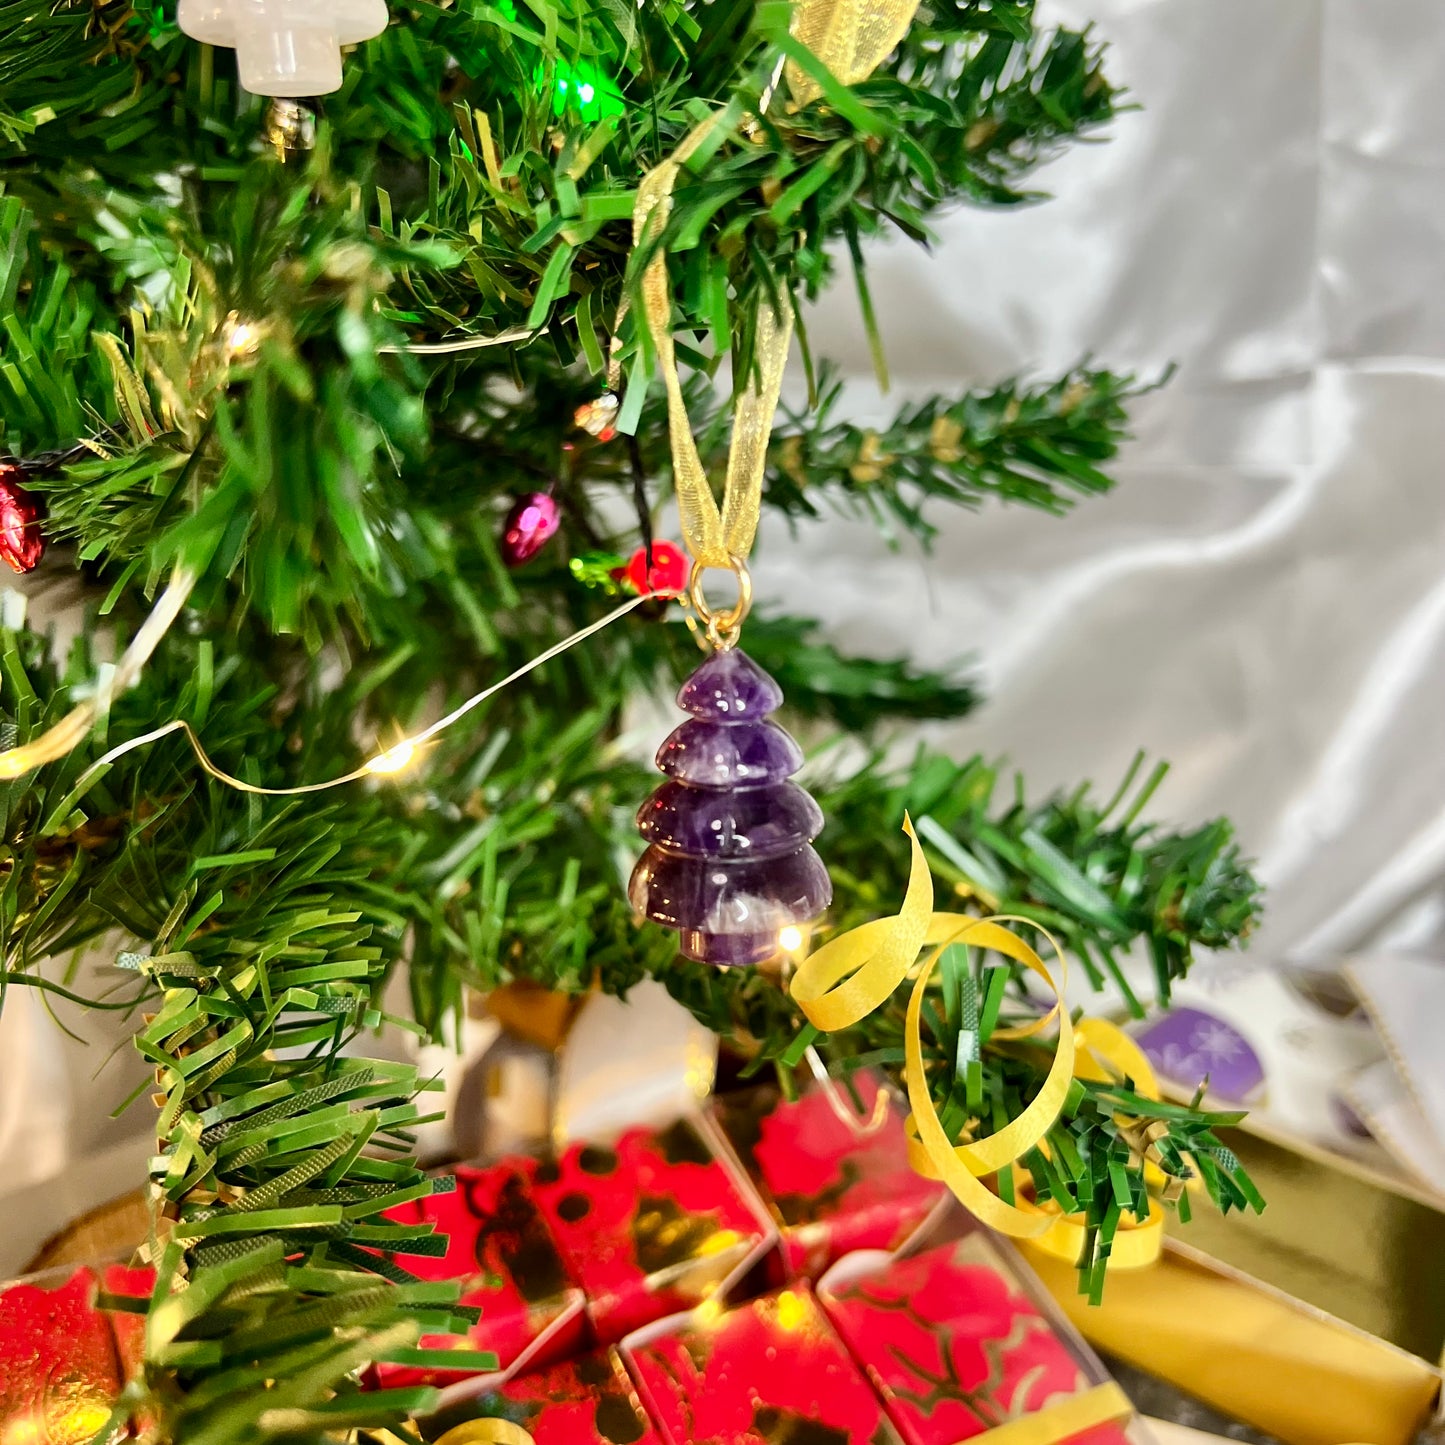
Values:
[(666, 577)]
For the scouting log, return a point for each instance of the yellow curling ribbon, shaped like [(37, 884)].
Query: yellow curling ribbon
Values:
[(486, 1432), (1106, 1054), (960, 1166), (1136, 1244), (1103, 1405), (851, 976), (851, 37)]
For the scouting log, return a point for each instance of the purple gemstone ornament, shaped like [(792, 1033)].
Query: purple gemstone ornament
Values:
[(1188, 1045), (530, 525), (729, 862)]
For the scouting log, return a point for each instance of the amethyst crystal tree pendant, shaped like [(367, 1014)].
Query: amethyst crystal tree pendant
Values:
[(729, 862)]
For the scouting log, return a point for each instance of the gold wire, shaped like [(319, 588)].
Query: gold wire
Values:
[(66, 735), (384, 762)]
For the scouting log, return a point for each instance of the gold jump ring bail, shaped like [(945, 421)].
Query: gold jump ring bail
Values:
[(725, 627)]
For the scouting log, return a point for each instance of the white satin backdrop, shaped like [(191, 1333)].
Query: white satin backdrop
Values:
[(1262, 601), (1263, 598)]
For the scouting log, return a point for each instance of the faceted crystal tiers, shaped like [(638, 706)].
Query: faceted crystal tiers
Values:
[(729, 863), (729, 755), (762, 822)]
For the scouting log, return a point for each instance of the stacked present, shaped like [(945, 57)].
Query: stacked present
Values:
[(748, 1277), (1320, 1320), (733, 1277), (62, 1360)]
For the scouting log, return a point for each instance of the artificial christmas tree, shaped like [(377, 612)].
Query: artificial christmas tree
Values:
[(297, 366)]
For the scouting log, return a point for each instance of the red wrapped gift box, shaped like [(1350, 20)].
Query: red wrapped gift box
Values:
[(770, 1372), (832, 1188), (60, 1370), (652, 1225), (130, 1330), (500, 1248), (589, 1401), (957, 1345)]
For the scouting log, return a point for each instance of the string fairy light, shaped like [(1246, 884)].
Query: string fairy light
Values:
[(464, 343), (394, 759), (66, 735), (241, 337)]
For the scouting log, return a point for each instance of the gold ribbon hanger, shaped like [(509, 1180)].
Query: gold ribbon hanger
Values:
[(715, 536), (851, 37)]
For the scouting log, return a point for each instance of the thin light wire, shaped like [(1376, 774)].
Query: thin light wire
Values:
[(465, 343), (395, 757), (855, 1123), (68, 733)]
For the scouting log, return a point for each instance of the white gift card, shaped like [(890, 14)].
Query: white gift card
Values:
[(1404, 995), (1261, 1025), (1379, 1096), (644, 1060)]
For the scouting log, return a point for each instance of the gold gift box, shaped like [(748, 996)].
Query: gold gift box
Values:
[(1318, 1321), (529, 1012)]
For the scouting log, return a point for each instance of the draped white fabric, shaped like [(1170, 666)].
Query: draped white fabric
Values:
[(1262, 600)]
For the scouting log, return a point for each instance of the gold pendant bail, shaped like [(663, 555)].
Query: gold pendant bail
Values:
[(722, 628)]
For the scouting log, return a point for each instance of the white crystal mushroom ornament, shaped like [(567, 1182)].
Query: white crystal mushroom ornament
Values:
[(285, 48)]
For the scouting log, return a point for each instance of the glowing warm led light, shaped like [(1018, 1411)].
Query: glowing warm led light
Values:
[(393, 760), (790, 939), (240, 337), (24, 1430)]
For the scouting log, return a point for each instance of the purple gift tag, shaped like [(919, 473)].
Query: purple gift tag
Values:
[(1187, 1044)]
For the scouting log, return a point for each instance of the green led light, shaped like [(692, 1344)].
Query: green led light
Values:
[(583, 89)]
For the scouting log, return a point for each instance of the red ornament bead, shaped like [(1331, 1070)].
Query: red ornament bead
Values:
[(21, 543), (530, 525), (668, 574)]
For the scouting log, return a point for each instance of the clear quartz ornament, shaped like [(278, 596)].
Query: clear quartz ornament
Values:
[(284, 48)]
